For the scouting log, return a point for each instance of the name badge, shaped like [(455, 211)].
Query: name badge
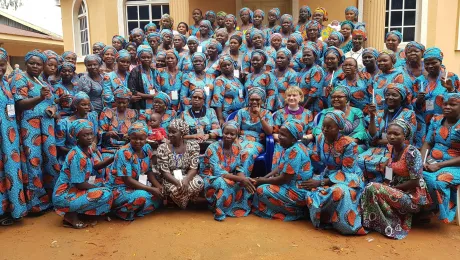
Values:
[(324, 91), (199, 49), (388, 173), (10, 110), (206, 89), (152, 92), (178, 174), (143, 179), (240, 93), (384, 136), (200, 130), (429, 104), (92, 180), (174, 95), (236, 73)]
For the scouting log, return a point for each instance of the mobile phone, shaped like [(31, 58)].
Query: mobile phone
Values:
[(431, 161)]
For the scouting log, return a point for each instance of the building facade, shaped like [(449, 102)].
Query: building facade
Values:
[(431, 22)]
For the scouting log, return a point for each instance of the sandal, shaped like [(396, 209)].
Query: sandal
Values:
[(6, 221), (78, 225)]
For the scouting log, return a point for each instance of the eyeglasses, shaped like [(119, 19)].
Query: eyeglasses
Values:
[(338, 97)]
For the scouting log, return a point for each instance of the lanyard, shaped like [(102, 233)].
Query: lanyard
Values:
[(394, 116), (124, 80), (197, 120), (225, 158)]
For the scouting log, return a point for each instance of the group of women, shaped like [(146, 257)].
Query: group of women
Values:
[(364, 139)]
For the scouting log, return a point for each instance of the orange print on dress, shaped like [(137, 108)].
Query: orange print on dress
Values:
[(11, 134), (351, 217), (61, 189), (94, 195), (15, 156), (437, 154), (274, 188), (445, 177), (228, 201), (335, 217), (358, 95), (34, 122), (35, 161), (337, 194)]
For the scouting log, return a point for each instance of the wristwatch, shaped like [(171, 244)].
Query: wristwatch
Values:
[(322, 183)]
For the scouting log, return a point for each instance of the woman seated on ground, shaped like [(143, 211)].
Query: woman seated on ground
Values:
[(115, 122), (284, 75), (354, 118), (117, 79), (141, 80), (178, 165), (82, 110), (388, 208), (279, 196), (108, 55), (227, 187), (91, 82), (335, 190), (373, 160), (136, 192), (160, 106), (65, 90), (441, 169), (255, 123), (80, 190)]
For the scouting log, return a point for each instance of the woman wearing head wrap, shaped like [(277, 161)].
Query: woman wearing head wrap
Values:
[(134, 197), (115, 122), (346, 29), (154, 41), (392, 41), (294, 44), (257, 39), (116, 79), (168, 79), (354, 121), (313, 35), (161, 102), (12, 198), (334, 161), (358, 39), (370, 56), (166, 40), (205, 33), (80, 187), (141, 80), (304, 17), (258, 19), (230, 25), (213, 50), (150, 28), (222, 38), (414, 66), (211, 17), (34, 100), (185, 63), (388, 208), (373, 160), (50, 69), (320, 15), (167, 23), (98, 47), (178, 165), (118, 42), (287, 27), (197, 16), (179, 42), (228, 94), (221, 170), (255, 123), (70, 56), (66, 88), (311, 78), (220, 20), (284, 75), (91, 82), (137, 35), (441, 168), (247, 17), (108, 56), (279, 197), (335, 39), (273, 18), (351, 14)]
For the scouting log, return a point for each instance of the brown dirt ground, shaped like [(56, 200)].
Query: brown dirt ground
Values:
[(175, 234)]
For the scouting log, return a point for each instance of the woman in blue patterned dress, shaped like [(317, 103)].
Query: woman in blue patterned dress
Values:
[(370, 56), (279, 196), (108, 56), (388, 208), (311, 79), (117, 79), (414, 66), (351, 14), (333, 60), (287, 27), (228, 91), (213, 50), (197, 16), (313, 33), (180, 41), (255, 123), (335, 39), (133, 195), (294, 44), (66, 88), (12, 196), (441, 169), (80, 188), (169, 79), (372, 161), (304, 17), (166, 40), (141, 78), (258, 41), (346, 29), (154, 41), (262, 79), (227, 187), (186, 64), (392, 41), (137, 35), (273, 18), (334, 193), (37, 111), (284, 75), (50, 70)]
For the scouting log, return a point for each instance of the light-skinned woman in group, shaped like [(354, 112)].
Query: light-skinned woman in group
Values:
[(168, 79), (388, 207), (141, 80), (373, 160), (34, 103), (117, 79), (285, 76), (334, 195), (279, 196), (442, 153), (133, 196), (91, 82), (304, 17), (227, 187)]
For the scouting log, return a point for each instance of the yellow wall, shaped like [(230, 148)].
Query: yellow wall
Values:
[(335, 9), (227, 6)]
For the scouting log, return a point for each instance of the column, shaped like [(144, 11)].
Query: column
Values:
[(374, 17), (179, 10)]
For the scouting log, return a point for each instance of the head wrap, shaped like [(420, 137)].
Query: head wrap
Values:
[(314, 48), (433, 52), (222, 30), (255, 32), (121, 39), (251, 14), (132, 44), (209, 25), (306, 8), (180, 125), (323, 11), (344, 90), (67, 65), (389, 53), (221, 13), (231, 123), (52, 55), (401, 89), (182, 37), (448, 96), (416, 45), (77, 126), (373, 51), (338, 116), (287, 17), (277, 12), (209, 13), (405, 127), (164, 32), (339, 36), (354, 10), (154, 35), (258, 91), (123, 54), (261, 12), (261, 53), (193, 39), (3, 54), (395, 33), (216, 44), (92, 57), (137, 30), (173, 52), (357, 32), (138, 127), (351, 24), (297, 37), (35, 53), (150, 25), (108, 47), (199, 90), (200, 54), (161, 53), (226, 58), (77, 98), (166, 16), (144, 48), (313, 24), (163, 97), (337, 52), (295, 128), (231, 16), (276, 35), (286, 51), (68, 53), (122, 93), (99, 44)]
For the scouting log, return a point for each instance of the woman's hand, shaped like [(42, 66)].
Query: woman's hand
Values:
[(44, 92), (447, 84), (310, 184), (156, 192), (221, 121), (372, 110), (432, 167), (113, 135), (248, 185), (185, 182), (420, 98), (135, 98), (64, 98)]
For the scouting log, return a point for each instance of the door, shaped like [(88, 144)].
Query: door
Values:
[(285, 6)]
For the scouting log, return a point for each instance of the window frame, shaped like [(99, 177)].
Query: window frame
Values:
[(84, 17), (138, 3), (418, 19), (77, 39)]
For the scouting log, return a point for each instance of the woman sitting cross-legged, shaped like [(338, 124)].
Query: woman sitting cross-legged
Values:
[(80, 188), (388, 207), (133, 196), (279, 196), (227, 187)]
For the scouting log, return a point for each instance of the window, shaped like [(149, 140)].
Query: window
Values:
[(401, 15), (140, 13), (83, 39)]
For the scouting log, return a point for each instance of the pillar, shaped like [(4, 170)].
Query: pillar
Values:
[(374, 17), (179, 10)]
